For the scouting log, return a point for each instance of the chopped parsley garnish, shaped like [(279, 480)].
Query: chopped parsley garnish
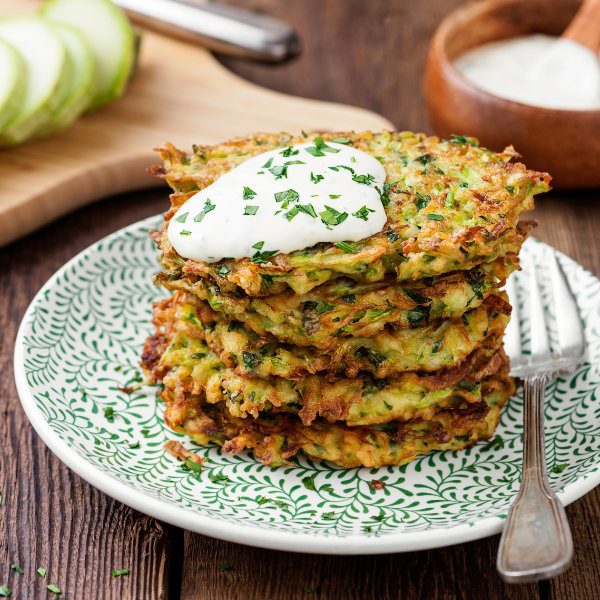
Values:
[(262, 257), (334, 196), (347, 168), (424, 159), (435, 217), (268, 163), (250, 210), (224, 270), (465, 384), (279, 171), (326, 488), (134, 445), (330, 216), (559, 468), (17, 568), (367, 528), (182, 218), (418, 314), (309, 209), (218, 478), (363, 213), (309, 483), (345, 247), (476, 287), (119, 572), (194, 468), (248, 193), (185, 232), (422, 201), (416, 296), (4, 591), (461, 139), (385, 195), (41, 571), (320, 148), (53, 588), (250, 359), (375, 357), (264, 500), (325, 308), (289, 151), (290, 214), (294, 162), (367, 179), (341, 140), (208, 206), (286, 197), (328, 515), (109, 415), (316, 178)]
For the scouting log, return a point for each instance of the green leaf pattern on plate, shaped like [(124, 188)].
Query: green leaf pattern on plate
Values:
[(83, 340)]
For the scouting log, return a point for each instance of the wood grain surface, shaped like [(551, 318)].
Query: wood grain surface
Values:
[(180, 94), (368, 53)]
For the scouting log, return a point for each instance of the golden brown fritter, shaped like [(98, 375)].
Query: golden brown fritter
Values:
[(427, 348), (343, 308), (185, 365), (450, 204), (276, 437)]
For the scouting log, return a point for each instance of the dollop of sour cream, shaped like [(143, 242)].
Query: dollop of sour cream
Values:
[(283, 200), (538, 70)]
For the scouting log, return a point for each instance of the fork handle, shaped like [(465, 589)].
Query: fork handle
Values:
[(536, 542)]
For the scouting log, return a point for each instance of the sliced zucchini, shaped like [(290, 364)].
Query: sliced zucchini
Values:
[(46, 61), (12, 82), (110, 37), (77, 92)]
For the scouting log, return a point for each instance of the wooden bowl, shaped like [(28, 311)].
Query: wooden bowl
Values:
[(565, 143)]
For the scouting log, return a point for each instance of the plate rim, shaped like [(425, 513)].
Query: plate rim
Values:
[(251, 535)]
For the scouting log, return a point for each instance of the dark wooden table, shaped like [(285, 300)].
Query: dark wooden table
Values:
[(366, 53)]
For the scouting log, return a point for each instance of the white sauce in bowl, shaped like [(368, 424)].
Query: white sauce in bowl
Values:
[(538, 70), (283, 200)]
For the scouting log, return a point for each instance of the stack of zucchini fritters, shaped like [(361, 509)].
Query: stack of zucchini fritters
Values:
[(365, 354)]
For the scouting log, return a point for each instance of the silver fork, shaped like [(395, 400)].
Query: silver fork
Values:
[(536, 542)]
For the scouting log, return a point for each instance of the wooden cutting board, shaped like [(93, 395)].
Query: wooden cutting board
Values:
[(181, 94)]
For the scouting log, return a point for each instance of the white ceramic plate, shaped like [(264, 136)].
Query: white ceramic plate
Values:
[(80, 341)]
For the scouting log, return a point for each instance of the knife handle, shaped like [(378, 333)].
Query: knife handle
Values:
[(227, 29)]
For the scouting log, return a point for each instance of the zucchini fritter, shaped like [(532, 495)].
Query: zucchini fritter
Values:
[(185, 365), (276, 437), (451, 205), (427, 348), (341, 307)]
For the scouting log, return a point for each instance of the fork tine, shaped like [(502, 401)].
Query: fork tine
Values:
[(512, 335), (540, 347), (570, 328)]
